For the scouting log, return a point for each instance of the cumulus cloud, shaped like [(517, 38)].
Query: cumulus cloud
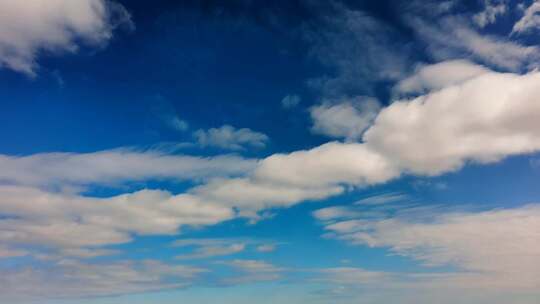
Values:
[(529, 21), (482, 120), (230, 138), (29, 28), (114, 167), (439, 75), (344, 119), (282, 180)]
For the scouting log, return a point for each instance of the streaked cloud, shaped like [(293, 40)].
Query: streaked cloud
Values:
[(114, 167), (529, 21), (73, 279), (491, 249)]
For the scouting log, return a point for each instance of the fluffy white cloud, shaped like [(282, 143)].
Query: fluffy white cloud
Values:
[(251, 196), (483, 120), (437, 76), (329, 164), (28, 28), (283, 180), (230, 138), (529, 21), (114, 167), (344, 119)]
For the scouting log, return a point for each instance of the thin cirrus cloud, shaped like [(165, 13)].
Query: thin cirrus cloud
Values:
[(72, 278), (208, 248), (529, 21), (455, 38), (30, 28), (491, 250)]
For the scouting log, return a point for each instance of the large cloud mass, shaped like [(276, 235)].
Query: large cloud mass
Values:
[(28, 28)]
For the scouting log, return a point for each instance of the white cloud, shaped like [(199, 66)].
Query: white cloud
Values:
[(73, 279), (492, 10), (251, 195), (266, 248), (337, 212), (329, 164), (529, 21), (482, 120), (384, 198), (252, 271), (282, 180), (6, 252), (178, 124), (71, 223), (430, 135), (207, 248), (230, 138), (440, 75), (29, 28), (351, 275), (290, 101), (114, 167), (344, 119), (491, 249), (454, 38)]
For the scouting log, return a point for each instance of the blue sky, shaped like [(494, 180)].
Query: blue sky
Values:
[(288, 152)]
